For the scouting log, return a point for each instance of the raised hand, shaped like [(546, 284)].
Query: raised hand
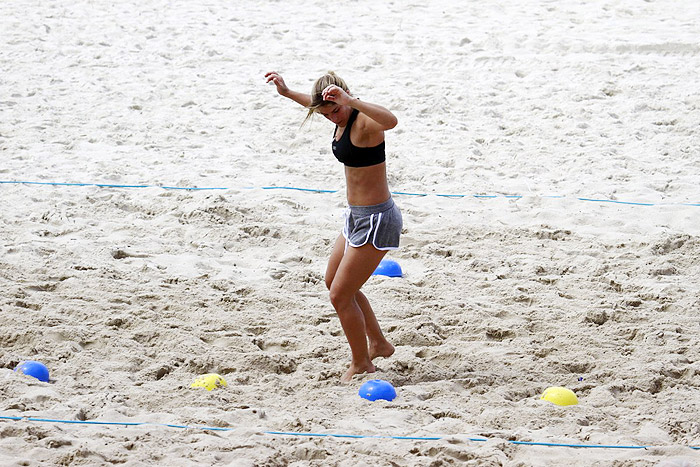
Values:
[(277, 79), (337, 95)]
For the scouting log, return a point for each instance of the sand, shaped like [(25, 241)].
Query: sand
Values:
[(567, 130)]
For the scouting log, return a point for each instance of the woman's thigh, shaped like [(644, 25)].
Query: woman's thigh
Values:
[(334, 260), (355, 267)]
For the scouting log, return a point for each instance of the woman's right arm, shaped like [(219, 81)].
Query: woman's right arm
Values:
[(283, 90)]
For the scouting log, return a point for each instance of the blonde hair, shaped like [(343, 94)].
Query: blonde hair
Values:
[(320, 84)]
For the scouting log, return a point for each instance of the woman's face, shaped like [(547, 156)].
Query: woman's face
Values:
[(337, 114)]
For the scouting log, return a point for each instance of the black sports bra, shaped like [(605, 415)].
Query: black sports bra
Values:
[(353, 156)]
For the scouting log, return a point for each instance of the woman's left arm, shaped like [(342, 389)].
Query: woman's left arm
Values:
[(384, 119), (382, 116)]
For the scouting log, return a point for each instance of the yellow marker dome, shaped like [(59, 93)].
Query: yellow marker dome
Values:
[(209, 382), (560, 396)]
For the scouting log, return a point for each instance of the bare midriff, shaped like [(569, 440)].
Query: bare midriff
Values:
[(367, 186)]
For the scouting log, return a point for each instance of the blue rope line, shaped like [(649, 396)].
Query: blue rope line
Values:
[(318, 190), (323, 435), (313, 190), (188, 188), (339, 435), (615, 201)]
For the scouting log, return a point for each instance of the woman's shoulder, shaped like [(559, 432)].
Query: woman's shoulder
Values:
[(366, 132), (363, 122), (368, 127)]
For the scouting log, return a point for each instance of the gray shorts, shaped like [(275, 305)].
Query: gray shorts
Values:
[(380, 223)]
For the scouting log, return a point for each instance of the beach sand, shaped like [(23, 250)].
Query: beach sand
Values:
[(567, 254)]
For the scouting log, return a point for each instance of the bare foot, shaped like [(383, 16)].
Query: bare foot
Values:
[(383, 349), (357, 370)]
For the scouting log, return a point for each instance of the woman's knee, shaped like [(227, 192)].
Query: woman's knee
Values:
[(340, 299)]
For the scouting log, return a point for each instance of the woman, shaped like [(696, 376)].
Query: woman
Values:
[(372, 222)]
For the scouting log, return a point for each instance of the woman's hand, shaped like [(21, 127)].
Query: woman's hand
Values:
[(298, 97), (337, 95), (276, 78)]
